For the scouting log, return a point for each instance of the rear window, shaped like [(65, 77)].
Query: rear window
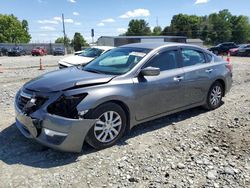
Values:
[(192, 57), (209, 57)]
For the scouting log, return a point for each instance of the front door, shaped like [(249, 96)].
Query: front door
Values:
[(156, 95)]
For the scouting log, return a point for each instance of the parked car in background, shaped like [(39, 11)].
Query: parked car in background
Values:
[(98, 103), (16, 51), (223, 48), (234, 51), (244, 50), (3, 51), (39, 51), (81, 51), (84, 57), (58, 51)]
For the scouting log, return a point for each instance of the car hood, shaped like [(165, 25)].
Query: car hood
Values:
[(76, 60), (66, 78)]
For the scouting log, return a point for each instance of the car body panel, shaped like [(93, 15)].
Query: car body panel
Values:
[(168, 92), (55, 80)]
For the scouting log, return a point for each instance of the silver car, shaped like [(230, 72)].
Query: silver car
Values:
[(98, 103)]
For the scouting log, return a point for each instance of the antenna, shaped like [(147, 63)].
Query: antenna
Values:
[(157, 24)]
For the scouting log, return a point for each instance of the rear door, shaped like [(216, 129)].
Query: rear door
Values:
[(198, 73), (159, 94)]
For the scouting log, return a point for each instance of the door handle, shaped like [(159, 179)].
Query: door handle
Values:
[(209, 70), (178, 78)]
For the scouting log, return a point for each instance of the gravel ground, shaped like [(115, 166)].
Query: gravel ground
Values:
[(194, 148)]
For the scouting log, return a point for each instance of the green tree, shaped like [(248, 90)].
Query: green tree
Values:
[(184, 25), (25, 25), (213, 29), (240, 29), (61, 40), (12, 30), (157, 31), (219, 27), (78, 42), (138, 28)]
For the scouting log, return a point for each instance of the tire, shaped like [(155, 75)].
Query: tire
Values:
[(99, 136), (214, 96)]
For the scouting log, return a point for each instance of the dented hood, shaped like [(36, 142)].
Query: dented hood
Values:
[(66, 78)]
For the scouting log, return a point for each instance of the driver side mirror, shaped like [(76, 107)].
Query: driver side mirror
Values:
[(150, 71)]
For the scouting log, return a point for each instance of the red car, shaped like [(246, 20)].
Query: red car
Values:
[(39, 51), (240, 50)]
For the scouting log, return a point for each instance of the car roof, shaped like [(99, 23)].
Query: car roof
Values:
[(154, 45)]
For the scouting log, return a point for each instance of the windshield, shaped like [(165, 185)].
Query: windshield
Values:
[(117, 61), (91, 52)]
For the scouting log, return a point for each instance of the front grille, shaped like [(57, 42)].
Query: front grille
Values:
[(22, 101), (25, 105)]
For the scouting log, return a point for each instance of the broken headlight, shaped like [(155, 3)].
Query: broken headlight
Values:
[(65, 106)]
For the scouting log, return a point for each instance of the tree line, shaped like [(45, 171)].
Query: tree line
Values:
[(212, 29)]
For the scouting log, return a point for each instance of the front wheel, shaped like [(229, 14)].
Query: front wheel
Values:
[(214, 96), (109, 128)]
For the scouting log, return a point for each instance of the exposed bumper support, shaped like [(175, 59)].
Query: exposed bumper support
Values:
[(54, 131)]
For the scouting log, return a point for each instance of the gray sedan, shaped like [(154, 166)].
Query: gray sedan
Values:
[(98, 103)]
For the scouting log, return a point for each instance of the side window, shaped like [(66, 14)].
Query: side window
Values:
[(192, 57), (165, 61), (217, 58)]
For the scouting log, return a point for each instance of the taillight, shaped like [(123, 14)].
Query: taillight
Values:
[(229, 66)]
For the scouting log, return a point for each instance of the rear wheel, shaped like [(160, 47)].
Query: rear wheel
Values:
[(109, 128), (214, 96)]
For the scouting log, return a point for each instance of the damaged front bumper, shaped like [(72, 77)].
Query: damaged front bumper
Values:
[(54, 131)]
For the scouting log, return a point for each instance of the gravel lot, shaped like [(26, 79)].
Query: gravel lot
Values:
[(194, 148)]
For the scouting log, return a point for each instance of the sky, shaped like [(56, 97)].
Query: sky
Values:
[(107, 17)]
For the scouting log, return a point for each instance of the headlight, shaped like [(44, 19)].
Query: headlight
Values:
[(65, 106)]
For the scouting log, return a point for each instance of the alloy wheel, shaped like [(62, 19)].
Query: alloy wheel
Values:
[(216, 95), (108, 126)]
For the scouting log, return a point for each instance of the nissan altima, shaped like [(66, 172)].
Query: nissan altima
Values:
[(101, 101)]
